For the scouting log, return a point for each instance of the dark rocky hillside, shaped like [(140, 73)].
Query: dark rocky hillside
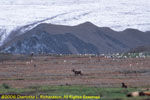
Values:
[(43, 42), (140, 49), (81, 39)]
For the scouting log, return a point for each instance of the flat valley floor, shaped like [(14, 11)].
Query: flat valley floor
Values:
[(97, 71)]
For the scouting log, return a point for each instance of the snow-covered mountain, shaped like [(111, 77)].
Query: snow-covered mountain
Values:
[(116, 14)]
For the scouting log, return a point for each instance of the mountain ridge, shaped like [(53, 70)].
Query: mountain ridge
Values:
[(100, 39)]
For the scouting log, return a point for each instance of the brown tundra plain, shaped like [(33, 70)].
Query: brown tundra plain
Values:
[(21, 71)]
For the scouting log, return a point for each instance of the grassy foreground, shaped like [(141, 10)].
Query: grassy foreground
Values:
[(104, 93)]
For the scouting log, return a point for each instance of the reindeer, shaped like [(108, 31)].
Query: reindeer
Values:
[(133, 94), (123, 85), (35, 65), (32, 54), (77, 72)]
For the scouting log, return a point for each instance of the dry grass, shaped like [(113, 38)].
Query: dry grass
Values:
[(52, 70)]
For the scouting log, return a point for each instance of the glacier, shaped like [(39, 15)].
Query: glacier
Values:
[(116, 14)]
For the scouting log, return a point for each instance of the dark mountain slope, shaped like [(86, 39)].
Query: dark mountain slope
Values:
[(83, 38), (43, 42), (140, 49)]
